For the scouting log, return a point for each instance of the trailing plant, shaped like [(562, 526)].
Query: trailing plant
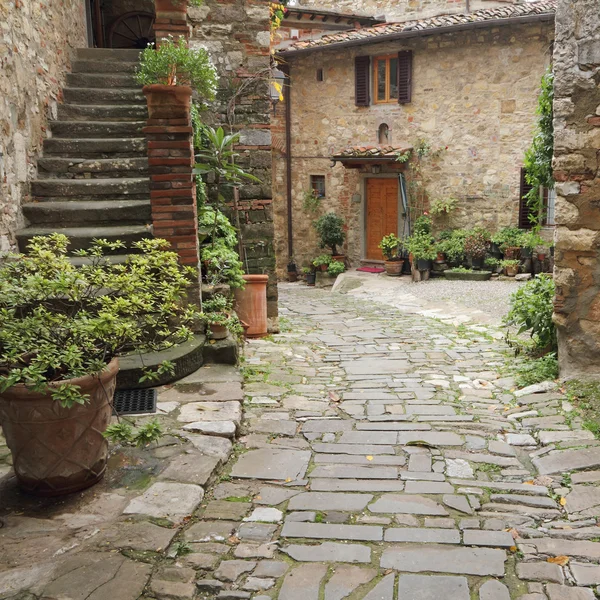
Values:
[(335, 268), (330, 228), (173, 63), (536, 370), (222, 264), (217, 304), (391, 247), (531, 240), (531, 308), (475, 244), (322, 259), (538, 157), (124, 433), (59, 322), (443, 206), (311, 201), (421, 246)]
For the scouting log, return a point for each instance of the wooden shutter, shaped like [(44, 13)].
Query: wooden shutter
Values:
[(405, 76), (524, 210), (362, 79)]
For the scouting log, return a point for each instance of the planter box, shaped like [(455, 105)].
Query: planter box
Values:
[(475, 276)]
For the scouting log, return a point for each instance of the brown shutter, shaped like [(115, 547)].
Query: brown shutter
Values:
[(405, 76), (524, 210), (362, 79)]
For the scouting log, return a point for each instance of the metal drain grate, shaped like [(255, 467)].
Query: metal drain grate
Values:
[(135, 402)]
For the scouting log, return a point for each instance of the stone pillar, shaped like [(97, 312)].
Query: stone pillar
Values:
[(172, 183), (577, 173)]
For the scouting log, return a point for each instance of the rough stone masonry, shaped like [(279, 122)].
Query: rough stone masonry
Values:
[(577, 173)]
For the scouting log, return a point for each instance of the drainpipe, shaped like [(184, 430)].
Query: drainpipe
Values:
[(468, 6), (288, 158)]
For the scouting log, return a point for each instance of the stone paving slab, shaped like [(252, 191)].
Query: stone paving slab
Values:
[(422, 535), (329, 501), (329, 552), (433, 587), (303, 583), (272, 464), (332, 531), (407, 504), (354, 471), (356, 485)]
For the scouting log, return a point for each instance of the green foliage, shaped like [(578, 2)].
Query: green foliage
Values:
[(585, 396), (213, 223), (421, 246), (217, 304), (493, 262), (509, 262), (475, 244), (531, 239), (123, 433), (443, 206), (537, 370), (322, 259), (218, 310), (390, 246), (335, 268), (531, 311), (181, 548), (460, 270), (173, 63), (330, 228), (422, 225), (311, 201), (508, 237), (453, 245), (222, 264), (58, 322), (538, 157)]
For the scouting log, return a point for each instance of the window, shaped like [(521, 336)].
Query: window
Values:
[(319, 74), (385, 69), (317, 184), (549, 203), (549, 196)]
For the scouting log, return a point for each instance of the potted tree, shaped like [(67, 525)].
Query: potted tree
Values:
[(170, 73), (391, 246), (330, 228), (476, 247), (62, 330), (421, 247)]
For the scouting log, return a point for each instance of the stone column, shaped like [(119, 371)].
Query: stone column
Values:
[(577, 173)]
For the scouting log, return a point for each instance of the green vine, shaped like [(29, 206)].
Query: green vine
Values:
[(538, 157)]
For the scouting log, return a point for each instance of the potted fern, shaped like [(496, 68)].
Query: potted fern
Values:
[(62, 330)]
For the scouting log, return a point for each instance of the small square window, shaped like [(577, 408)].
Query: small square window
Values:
[(317, 183), (319, 74)]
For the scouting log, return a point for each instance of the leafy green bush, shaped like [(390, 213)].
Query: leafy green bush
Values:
[(421, 246), (537, 370), (390, 246), (330, 228), (508, 237), (335, 268), (58, 322), (443, 206), (422, 225), (222, 264), (322, 259), (531, 311), (453, 245), (173, 63)]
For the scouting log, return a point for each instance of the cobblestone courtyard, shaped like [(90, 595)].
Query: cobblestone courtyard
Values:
[(383, 456)]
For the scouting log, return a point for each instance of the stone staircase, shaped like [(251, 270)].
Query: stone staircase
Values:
[(93, 176)]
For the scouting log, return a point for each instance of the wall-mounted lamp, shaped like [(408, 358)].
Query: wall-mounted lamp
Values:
[(375, 169), (276, 86), (333, 162)]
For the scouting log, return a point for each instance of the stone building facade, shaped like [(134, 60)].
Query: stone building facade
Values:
[(577, 173), (36, 46), (474, 95)]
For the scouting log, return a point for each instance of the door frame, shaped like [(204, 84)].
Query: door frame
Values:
[(363, 211)]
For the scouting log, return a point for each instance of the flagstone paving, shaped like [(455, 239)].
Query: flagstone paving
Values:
[(383, 455)]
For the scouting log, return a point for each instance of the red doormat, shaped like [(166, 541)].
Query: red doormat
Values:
[(371, 270)]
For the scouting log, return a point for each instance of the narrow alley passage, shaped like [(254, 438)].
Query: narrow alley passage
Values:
[(388, 452)]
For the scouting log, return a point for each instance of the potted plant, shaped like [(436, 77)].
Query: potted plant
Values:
[(494, 264), (335, 268), (422, 248), (292, 271), (310, 275), (219, 318), (510, 266), (461, 273), (170, 73), (330, 228), (322, 261), (476, 247), (391, 246), (529, 240), (508, 239), (62, 330)]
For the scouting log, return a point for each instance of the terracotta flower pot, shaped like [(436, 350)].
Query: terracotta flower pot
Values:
[(175, 8), (251, 304), (512, 271), (292, 276), (393, 268), (217, 332), (58, 450), (167, 101)]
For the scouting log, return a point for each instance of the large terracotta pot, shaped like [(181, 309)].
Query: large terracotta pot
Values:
[(174, 8), (167, 101), (251, 304), (59, 450), (393, 268)]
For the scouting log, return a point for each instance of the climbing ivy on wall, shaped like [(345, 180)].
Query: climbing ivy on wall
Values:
[(538, 157), (277, 10)]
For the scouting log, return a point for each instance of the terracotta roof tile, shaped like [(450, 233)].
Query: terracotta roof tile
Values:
[(371, 152), (491, 16)]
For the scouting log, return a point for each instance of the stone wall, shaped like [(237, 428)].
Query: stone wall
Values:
[(577, 173), (236, 33), (402, 10), (473, 92), (36, 43)]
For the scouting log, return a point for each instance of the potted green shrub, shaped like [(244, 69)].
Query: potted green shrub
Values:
[(510, 266), (336, 268), (322, 261), (508, 239), (62, 330), (292, 270), (330, 228), (391, 247), (453, 246), (170, 73), (529, 240), (310, 275), (422, 250), (476, 247), (220, 319)]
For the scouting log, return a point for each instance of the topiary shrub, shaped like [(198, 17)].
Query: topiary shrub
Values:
[(330, 228)]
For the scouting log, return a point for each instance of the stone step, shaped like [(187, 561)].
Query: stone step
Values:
[(103, 96), (108, 54), (104, 167), (80, 188), (107, 79), (102, 112), (82, 237), (103, 66), (97, 129), (100, 147), (95, 212)]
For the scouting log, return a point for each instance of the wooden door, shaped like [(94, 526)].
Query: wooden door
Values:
[(381, 214)]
